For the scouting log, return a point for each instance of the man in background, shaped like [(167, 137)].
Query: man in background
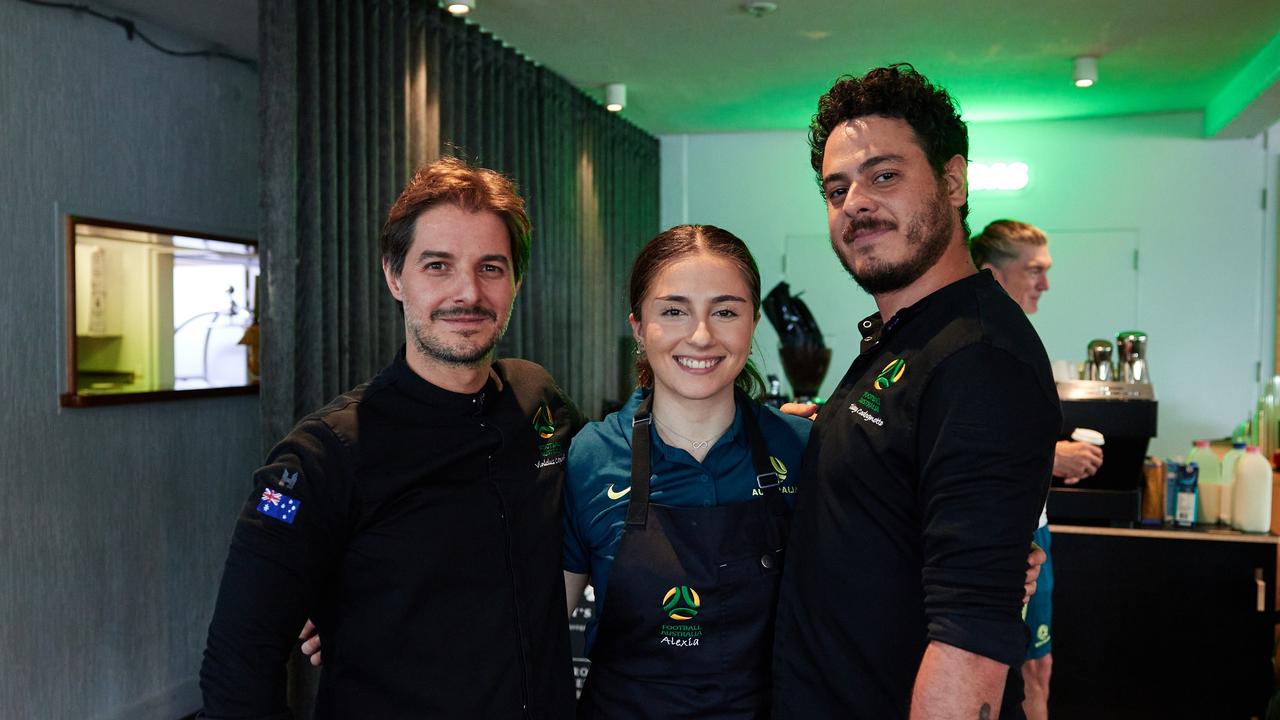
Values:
[(416, 518), (1017, 254), (927, 469)]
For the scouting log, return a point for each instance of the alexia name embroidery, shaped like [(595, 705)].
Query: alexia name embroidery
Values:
[(682, 604)]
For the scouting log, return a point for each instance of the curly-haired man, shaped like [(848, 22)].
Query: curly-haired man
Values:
[(929, 465)]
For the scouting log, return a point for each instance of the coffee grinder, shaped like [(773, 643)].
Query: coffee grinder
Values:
[(805, 357)]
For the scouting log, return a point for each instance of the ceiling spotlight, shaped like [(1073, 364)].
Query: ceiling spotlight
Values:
[(758, 8), (615, 96), (1086, 70), (460, 7)]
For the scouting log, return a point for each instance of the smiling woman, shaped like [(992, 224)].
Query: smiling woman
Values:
[(676, 506), (694, 325), (672, 262)]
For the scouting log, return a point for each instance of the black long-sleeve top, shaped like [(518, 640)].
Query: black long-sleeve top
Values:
[(420, 529), (925, 475)]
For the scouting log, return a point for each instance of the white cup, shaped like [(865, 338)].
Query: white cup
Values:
[(1064, 370), (1086, 435)]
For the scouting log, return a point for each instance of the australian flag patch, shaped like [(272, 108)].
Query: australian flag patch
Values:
[(278, 505)]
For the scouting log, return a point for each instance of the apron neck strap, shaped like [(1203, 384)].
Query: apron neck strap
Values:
[(638, 503), (642, 447)]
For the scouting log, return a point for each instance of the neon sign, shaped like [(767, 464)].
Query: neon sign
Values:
[(998, 176)]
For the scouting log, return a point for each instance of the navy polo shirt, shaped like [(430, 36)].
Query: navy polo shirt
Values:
[(598, 482)]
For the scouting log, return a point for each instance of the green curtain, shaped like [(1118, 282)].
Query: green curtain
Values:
[(354, 96)]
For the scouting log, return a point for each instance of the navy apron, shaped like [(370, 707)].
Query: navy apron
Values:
[(687, 631)]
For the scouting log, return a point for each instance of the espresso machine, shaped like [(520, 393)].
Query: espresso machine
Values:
[(1119, 402)]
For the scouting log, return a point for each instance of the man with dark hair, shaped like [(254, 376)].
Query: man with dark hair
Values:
[(1017, 254), (928, 467), (416, 518)]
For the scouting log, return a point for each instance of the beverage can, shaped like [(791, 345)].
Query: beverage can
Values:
[(1153, 502)]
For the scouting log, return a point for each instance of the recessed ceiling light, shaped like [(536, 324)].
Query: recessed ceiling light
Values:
[(460, 7), (758, 8)]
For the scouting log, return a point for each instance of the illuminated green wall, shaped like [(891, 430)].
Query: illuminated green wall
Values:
[(1204, 289)]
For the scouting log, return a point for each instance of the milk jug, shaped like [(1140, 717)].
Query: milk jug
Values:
[(1251, 506), (1209, 482), (1227, 490)]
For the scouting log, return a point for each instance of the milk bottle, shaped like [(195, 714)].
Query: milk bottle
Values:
[(1209, 482), (1251, 506), (1227, 489)]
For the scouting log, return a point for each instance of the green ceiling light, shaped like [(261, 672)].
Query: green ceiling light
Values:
[(460, 7), (1085, 70), (998, 176), (615, 97)]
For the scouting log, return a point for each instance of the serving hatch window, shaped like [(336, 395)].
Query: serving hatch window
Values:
[(158, 313)]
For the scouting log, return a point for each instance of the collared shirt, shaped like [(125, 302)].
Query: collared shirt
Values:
[(924, 478), (420, 529), (598, 481)]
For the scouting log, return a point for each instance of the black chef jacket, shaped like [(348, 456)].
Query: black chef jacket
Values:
[(925, 475), (420, 529)]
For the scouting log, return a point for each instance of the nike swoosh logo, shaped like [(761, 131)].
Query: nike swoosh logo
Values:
[(616, 495)]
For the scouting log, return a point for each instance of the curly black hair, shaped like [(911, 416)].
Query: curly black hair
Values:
[(896, 91)]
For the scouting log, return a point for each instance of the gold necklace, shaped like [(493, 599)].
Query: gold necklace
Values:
[(696, 444)]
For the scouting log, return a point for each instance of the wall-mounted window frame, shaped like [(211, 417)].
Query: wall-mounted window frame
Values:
[(75, 395)]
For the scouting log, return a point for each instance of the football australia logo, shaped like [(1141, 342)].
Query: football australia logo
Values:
[(891, 374), (681, 603), (550, 452), (543, 423), (868, 406), (1042, 636)]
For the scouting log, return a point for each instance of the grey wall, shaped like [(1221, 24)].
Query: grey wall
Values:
[(113, 521)]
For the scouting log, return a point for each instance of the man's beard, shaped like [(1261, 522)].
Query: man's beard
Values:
[(928, 235), (455, 355)]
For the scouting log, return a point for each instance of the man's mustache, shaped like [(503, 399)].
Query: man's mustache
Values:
[(466, 313), (868, 224)]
